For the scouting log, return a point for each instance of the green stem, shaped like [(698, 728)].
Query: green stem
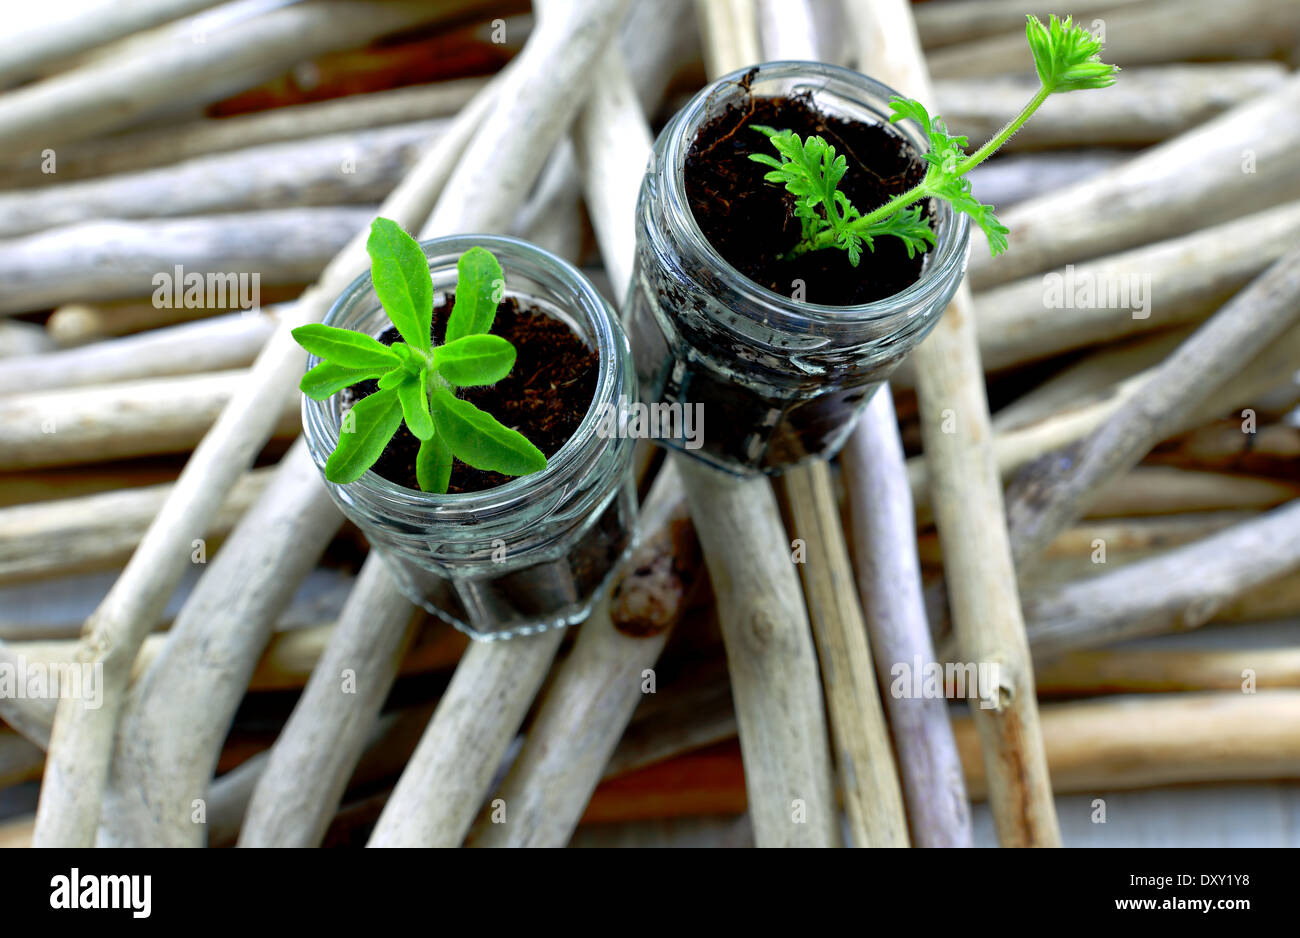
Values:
[(1003, 135), (924, 189)]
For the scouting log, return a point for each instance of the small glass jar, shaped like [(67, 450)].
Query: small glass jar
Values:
[(778, 380), (529, 555)]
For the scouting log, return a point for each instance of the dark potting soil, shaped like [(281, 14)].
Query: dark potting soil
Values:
[(760, 414), (545, 397), (750, 221)]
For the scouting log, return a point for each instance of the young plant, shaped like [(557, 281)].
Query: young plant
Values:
[(417, 379), (1067, 59)]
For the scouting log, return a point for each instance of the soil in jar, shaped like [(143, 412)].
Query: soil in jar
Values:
[(545, 397), (751, 222)]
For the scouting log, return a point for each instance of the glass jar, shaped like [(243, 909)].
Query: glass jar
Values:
[(777, 380), (529, 555)]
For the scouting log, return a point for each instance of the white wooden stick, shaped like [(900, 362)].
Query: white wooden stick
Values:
[(1018, 176), (1242, 161), (1166, 739), (770, 653), (1146, 106), (72, 263), (80, 323), (94, 532), (121, 88), (167, 146), (1168, 283), (1096, 376), (178, 715), (1179, 589), (1159, 31), (889, 584), (518, 129), (1125, 671), (65, 31), (329, 727), (593, 694), (864, 758), (1272, 368), (967, 497), (1167, 490), (730, 33), (1051, 495), (943, 22), (221, 343), (339, 169), (444, 784), (117, 421), (77, 769)]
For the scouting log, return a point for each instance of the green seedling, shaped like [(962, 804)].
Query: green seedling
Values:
[(417, 379), (1067, 58)]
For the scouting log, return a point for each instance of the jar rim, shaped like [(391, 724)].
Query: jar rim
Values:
[(610, 346), (948, 257)]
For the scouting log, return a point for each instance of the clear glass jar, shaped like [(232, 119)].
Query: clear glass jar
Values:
[(780, 380), (529, 555)]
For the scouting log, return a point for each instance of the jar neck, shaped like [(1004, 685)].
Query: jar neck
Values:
[(670, 222), (537, 279)]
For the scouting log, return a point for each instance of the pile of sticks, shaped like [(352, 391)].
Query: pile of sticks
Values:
[(264, 683)]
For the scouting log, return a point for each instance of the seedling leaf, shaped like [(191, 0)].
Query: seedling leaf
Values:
[(478, 440), (374, 420), (415, 406), (328, 378), (479, 283), (474, 360), (400, 273), (433, 465)]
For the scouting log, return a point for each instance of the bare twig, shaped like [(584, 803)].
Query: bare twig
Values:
[(1051, 494), (94, 532), (144, 149), (328, 729), (67, 264), (115, 421), (178, 715), (967, 496), (1128, 671), (77, 770), (217, 344), (339, 169), (593, 694), (1137, 742), (863, 755), (889, 584), (730, 32), (1242, 161), (1180, 589), (120, 88), (1149, 105), (1168, 283), (80, 28), (1159, 31), (943, 22), (770, 655)]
